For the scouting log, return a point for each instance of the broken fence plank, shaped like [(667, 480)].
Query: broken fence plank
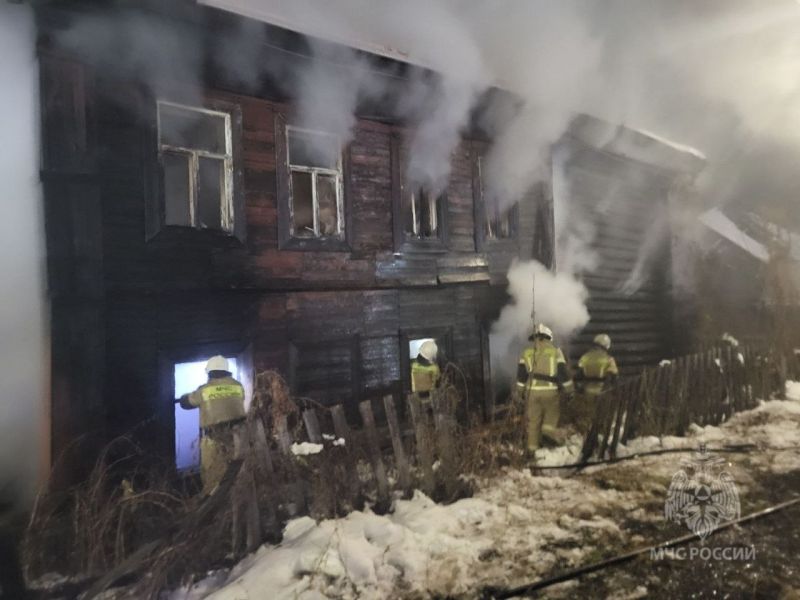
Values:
[(283, 434), (365, 408), (312, 426), (342, 430), (400, 459)]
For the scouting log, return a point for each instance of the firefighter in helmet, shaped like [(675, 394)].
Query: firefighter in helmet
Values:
[(221, 404), (425, 372), (542, 377), (597, 370)]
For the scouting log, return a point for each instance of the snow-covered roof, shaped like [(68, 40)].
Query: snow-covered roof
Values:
[(717, 221)]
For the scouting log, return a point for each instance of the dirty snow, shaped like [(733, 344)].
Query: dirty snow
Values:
[(518, 526)]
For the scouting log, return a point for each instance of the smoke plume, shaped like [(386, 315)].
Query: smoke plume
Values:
[(23, 322), (559, 300)]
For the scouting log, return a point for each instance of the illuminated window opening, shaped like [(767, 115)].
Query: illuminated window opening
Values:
[(188, 377)]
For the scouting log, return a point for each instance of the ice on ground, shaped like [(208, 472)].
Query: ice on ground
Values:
[(793, 390), (306, 448)]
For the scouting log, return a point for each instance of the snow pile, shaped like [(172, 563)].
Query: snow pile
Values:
[(793, 390), (306, 448), (423, 548)]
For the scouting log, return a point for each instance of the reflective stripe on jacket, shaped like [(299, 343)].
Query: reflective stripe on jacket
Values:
[(424, 377), (597, 365), (541, 358), (220, 400)]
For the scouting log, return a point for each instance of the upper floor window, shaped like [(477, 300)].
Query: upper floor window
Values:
[(423, 214), (315, 184), (498, 223), (196, 157)]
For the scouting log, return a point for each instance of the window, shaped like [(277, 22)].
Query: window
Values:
[(188, 377), (198, 179), (315, 184), (498, 224), (422, 214), (419, 217), (412, 339)]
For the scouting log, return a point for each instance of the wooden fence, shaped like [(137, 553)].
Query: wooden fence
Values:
[(704, 388), (348, 466), (275, 479)]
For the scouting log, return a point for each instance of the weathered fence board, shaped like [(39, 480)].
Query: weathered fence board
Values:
[(379, 469), (403, 473)]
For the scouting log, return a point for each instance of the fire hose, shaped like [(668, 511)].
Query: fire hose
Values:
[(528, 588), (733, 448)]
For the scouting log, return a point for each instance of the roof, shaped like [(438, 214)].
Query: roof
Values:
[(288, 16), (636, 144), (718, 222)]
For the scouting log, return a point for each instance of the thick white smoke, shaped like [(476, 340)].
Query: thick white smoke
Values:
[(23, 320), (559, 300)]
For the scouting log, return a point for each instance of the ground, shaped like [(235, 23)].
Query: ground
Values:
[(520, 527)]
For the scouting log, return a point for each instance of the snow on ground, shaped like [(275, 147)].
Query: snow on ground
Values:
[(517, 526)]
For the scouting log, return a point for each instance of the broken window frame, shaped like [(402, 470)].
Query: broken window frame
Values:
[(194, 155), (286, 239), (433, 212), (405, 241), (315, 172), (488, 217), (155, 199)]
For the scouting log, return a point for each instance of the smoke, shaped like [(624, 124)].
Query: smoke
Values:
[(162, 56), (560, 302), (23, 324)]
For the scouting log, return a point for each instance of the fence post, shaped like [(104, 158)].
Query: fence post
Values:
[(365, 408), (445, 443), (312, 426), (400, 459), (342, 430)]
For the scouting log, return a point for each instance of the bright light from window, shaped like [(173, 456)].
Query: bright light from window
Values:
[(414, 345), (188, 377)]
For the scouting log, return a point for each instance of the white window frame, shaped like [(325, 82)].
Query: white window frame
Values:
[(315, 171), (194, 154)]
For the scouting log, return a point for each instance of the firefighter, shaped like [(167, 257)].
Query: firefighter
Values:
[(221, 404), (542, 377), (425, 372), (597, 370)]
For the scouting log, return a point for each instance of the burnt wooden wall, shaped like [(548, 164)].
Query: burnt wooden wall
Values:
[(335, 323), (622, 199)]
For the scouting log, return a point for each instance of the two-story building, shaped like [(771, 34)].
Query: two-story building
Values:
[(185, 222)]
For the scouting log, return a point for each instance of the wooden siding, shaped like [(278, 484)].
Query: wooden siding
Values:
[(622, 198)]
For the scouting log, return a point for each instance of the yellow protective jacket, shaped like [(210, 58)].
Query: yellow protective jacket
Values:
[(220, 400), (595, 368), (424, 376), (542, 367)]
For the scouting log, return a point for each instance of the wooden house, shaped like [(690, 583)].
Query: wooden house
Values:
[(182, 225)]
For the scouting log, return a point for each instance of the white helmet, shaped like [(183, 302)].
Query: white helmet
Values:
[(602, 340), (428, 350), (217, 363), (542, 329)]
